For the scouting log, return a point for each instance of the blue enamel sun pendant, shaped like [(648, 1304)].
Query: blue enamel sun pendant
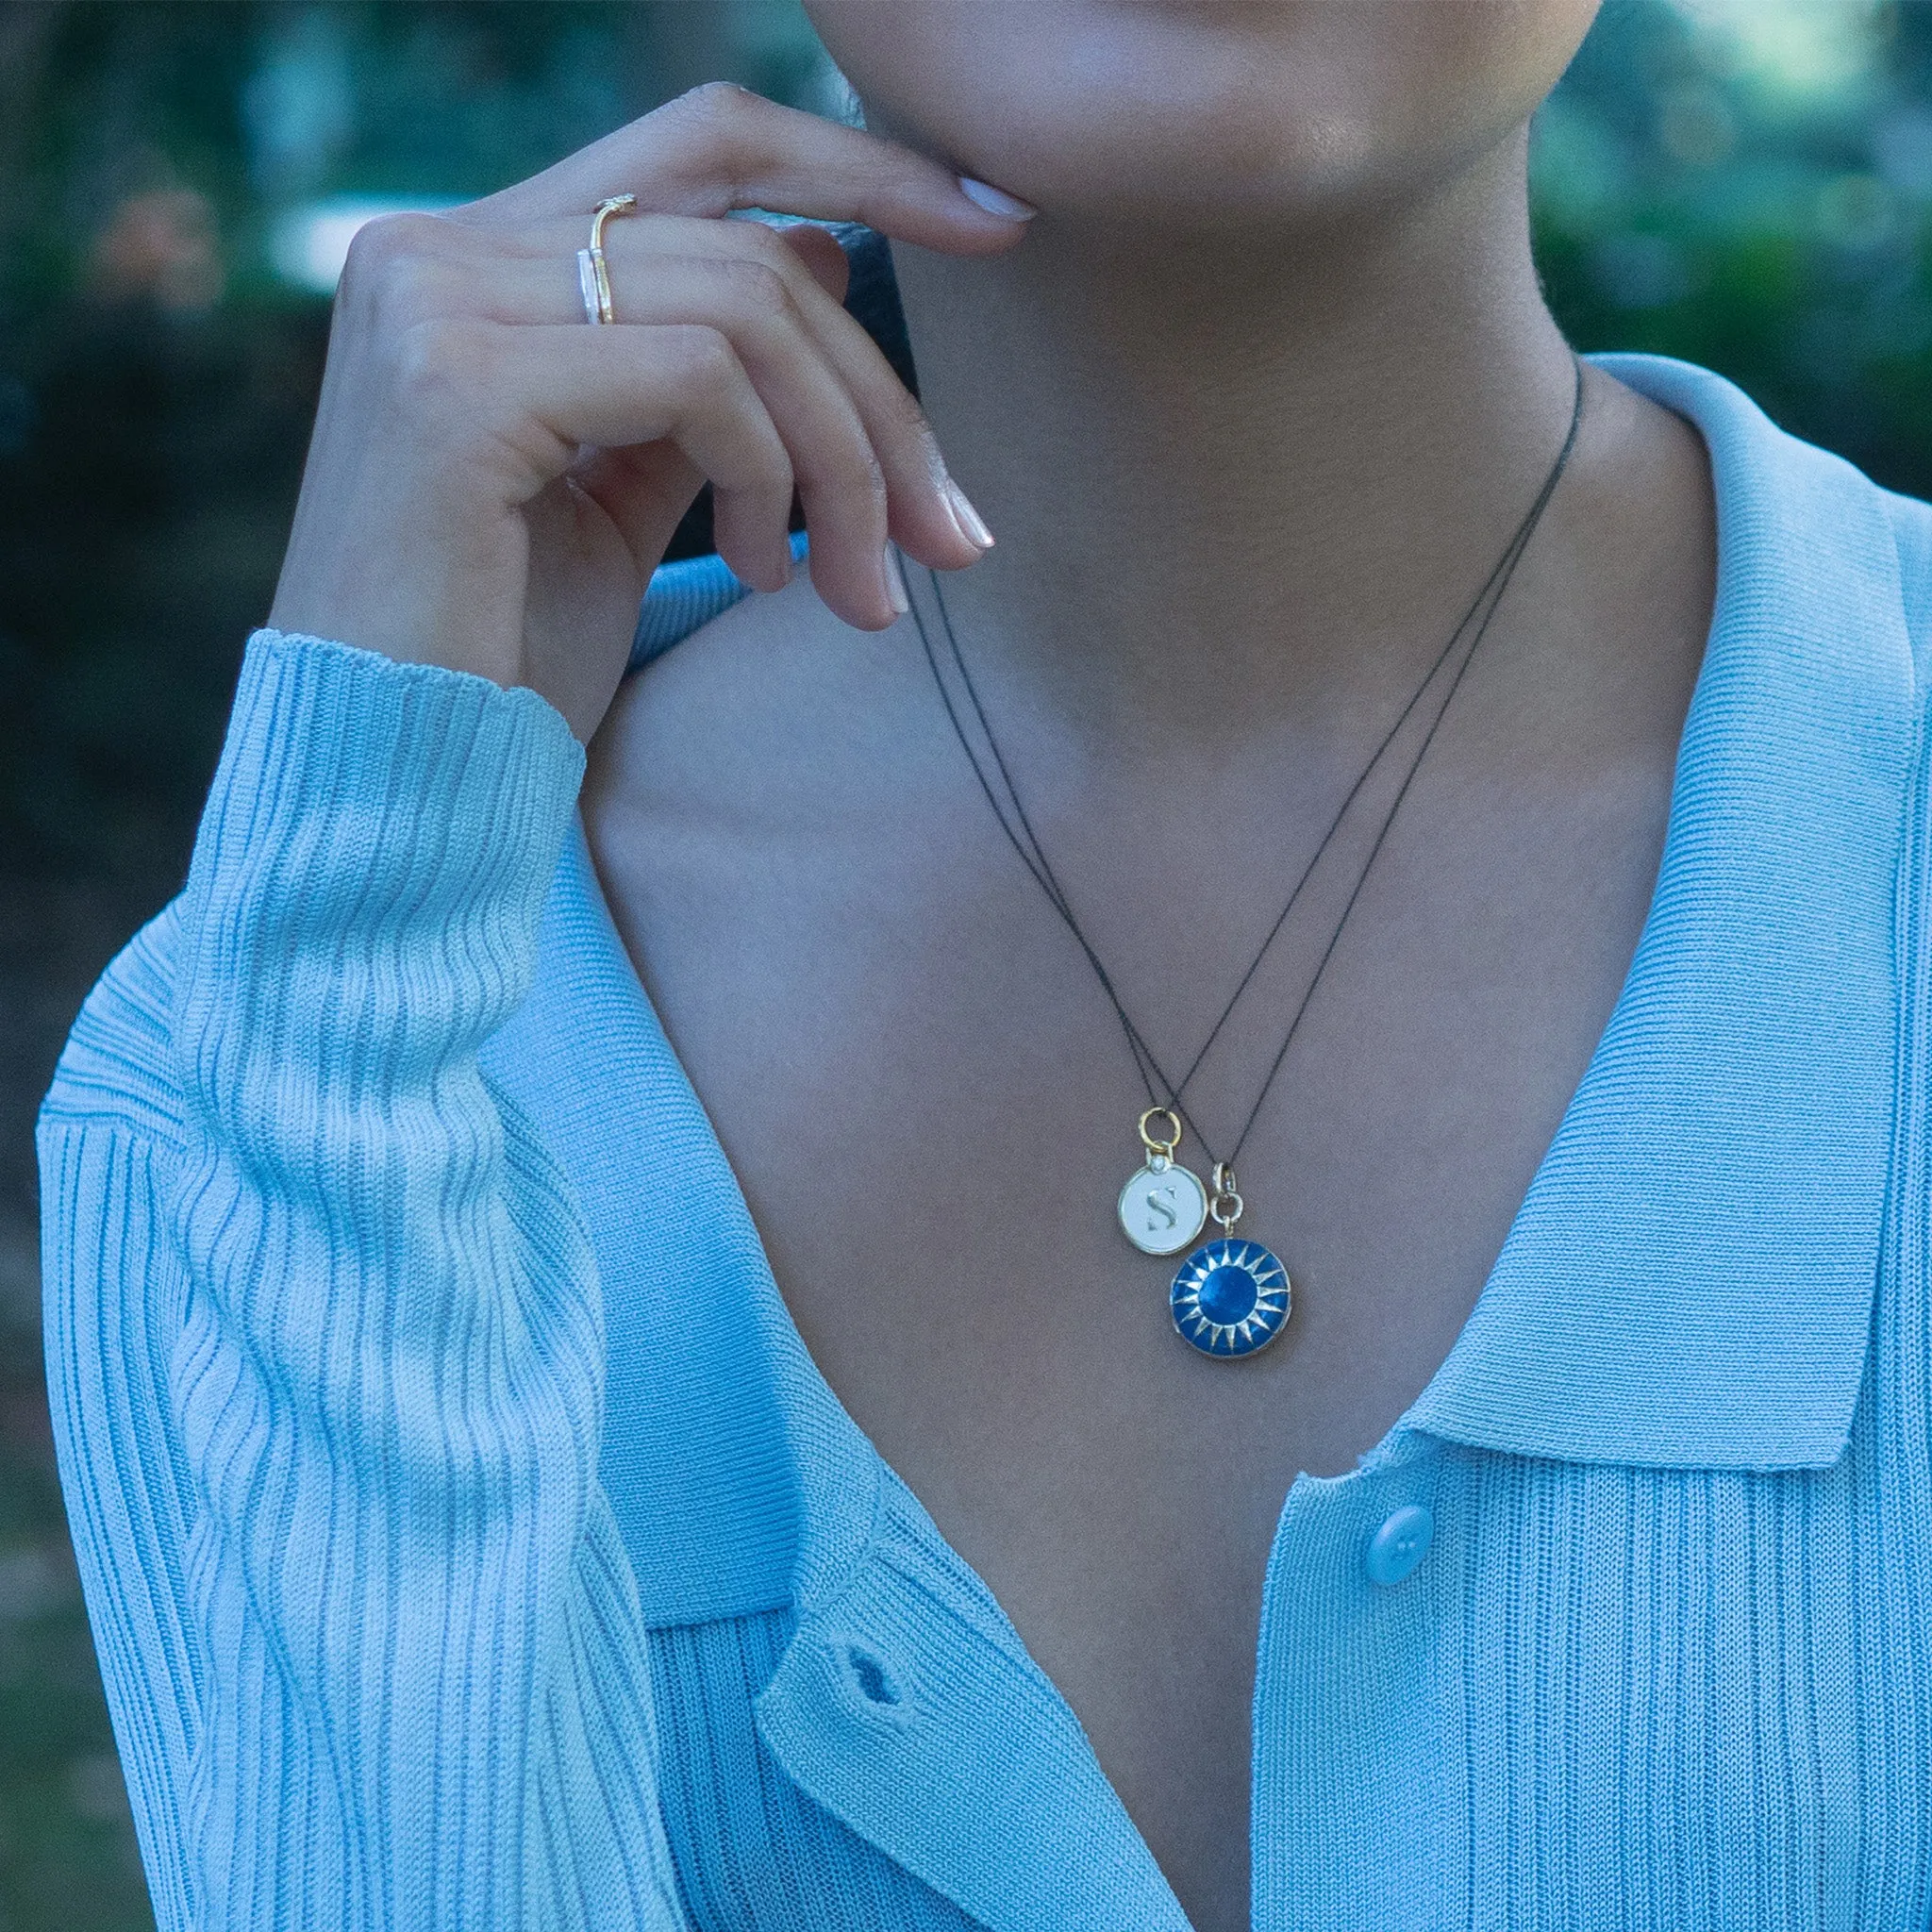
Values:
[(1231, 1297)]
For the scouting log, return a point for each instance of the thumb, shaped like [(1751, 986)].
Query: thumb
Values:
[(644, 491), (819, 249)]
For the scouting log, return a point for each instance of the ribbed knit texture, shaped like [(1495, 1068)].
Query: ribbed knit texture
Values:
[(383, 1663), (471, 1544)]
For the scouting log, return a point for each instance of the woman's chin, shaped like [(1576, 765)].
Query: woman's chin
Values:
[(1173, 110)]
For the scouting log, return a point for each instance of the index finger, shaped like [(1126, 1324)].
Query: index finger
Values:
[(721, 148)]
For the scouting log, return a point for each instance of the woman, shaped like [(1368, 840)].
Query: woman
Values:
[(474, 1534)]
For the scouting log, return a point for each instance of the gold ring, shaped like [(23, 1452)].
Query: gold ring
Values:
[(593, 278)]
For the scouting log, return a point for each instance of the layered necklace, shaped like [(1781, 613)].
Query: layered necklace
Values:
[(1231, 1296)]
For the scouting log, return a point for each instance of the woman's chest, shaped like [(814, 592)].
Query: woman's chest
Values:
[(931, 1106)]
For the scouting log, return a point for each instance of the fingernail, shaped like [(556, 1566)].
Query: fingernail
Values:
[(972, 525), (894, 581), (996, 201)]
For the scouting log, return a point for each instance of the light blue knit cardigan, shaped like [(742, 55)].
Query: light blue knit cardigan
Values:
[(471, 1542)]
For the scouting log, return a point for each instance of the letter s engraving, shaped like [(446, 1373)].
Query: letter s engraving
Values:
[(1160, 1201)]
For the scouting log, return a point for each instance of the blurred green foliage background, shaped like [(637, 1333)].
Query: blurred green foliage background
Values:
[(1745, 182)]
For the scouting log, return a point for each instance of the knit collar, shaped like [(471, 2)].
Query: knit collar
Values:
[(1689, 1279), (1687, 1282)]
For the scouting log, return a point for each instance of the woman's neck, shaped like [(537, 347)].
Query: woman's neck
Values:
[(1231, 467)]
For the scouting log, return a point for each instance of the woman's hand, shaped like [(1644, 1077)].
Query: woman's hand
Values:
[(491, 480)]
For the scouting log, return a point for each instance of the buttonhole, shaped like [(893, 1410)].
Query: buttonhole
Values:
[(871, 1677)]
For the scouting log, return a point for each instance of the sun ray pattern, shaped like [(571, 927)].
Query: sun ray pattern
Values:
[(1230, 1298)]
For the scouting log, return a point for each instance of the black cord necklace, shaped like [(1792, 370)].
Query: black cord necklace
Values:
[(1230, 1297)]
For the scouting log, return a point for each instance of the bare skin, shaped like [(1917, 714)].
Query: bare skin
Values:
[(917, 1079), (930, 1107), (1253, 406)]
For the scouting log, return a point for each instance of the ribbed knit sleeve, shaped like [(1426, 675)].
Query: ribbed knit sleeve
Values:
[(326, 1346)]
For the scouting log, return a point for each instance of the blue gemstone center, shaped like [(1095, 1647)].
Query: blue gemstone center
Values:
[(1227, 1295)]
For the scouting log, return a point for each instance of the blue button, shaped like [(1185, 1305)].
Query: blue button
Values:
[(1399, 1545)]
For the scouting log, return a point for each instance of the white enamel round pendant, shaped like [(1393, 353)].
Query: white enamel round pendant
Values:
[(1163, 1208)]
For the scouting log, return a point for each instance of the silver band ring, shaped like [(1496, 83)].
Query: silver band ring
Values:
[(593, 278)]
